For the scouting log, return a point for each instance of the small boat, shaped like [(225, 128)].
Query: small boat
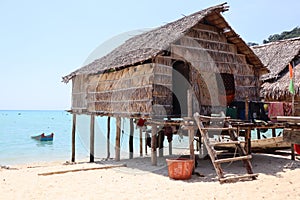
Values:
[(43, 137)]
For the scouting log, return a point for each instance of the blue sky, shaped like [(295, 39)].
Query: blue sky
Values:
[(42, 41)]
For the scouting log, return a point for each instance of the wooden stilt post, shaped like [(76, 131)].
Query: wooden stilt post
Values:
[(118, 136), (191, 132), (92, 138), (73, 137), (108, 138), (141, 142), (153, 145), (247, 108), (293, 94), (160, 145), (131, 139), (292, 152), (146, 150), (170, 148), (273, 132)]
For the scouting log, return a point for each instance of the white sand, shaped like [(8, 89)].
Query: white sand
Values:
[(279, 178)]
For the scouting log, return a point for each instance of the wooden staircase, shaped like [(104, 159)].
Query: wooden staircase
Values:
[(218, 125)]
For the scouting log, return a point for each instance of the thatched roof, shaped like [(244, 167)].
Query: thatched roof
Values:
[(277, 55), (147, 45), (279, 90)]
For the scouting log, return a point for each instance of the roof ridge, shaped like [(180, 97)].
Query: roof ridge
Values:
[(276, 42)]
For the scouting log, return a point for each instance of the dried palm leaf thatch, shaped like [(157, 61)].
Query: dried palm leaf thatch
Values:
[(279, 90), (277, 55), (148, 45)]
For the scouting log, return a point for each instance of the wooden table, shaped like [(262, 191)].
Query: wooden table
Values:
[(249, 126)]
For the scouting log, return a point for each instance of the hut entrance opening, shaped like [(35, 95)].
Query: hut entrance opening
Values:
[(180, 83), (226, 88)]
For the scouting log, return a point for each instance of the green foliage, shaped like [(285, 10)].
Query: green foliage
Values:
[(252, 44), (284, 35)]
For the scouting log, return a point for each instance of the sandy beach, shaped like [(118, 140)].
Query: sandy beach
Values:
[(278, 179)]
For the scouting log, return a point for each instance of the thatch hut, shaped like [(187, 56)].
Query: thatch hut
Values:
[(149, 75), (277, 56)]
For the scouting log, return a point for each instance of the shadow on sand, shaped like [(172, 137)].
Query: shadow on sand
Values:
[(267, 164)]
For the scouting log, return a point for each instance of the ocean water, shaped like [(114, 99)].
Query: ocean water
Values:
[(17, 146), (17, 127)]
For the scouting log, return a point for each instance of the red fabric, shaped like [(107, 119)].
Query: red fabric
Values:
[(287, 109), (141, 122), (291, 70), (297, 148), (275, 109)]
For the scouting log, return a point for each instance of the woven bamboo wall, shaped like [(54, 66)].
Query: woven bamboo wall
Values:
[(209, 53), (162, 88), (79, 93), (127, 92)]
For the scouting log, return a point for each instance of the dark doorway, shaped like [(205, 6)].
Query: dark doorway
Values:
[(180, 77)]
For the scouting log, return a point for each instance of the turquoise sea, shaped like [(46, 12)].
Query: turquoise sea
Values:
[(17, 127), (17, 146)]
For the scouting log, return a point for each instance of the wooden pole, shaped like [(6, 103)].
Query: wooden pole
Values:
[(160, 145), (292, 151), (92, 138), (170, 148), (73, 137), (153, 145), (191, 132), (108, 137), (118, 136), (81, 169), (247, 108), (141, 142), (293, 95), (146, 150), (131, 139)]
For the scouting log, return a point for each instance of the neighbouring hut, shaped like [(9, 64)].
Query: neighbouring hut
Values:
[(157, 74), (277, 56)]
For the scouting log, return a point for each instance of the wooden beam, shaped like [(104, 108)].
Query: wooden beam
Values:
[(73, 137), (131, 139), (153, 145), (290, 119), (92, 138), (108, 137), (118, 136), (82, 169)]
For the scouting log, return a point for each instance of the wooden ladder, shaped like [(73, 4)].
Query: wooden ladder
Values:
[(225, 126)]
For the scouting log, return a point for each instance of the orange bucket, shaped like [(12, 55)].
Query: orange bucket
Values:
[(180, 168)]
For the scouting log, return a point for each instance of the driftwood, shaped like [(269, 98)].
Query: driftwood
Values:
[(78, 170)]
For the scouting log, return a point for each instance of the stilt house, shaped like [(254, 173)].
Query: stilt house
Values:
[(148, 76), (277, 56)]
